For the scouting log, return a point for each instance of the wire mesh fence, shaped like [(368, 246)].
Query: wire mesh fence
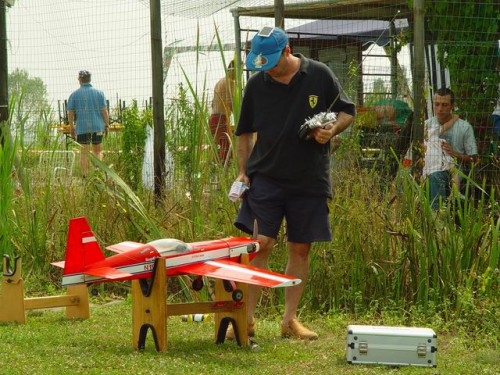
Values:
[(367, 44)]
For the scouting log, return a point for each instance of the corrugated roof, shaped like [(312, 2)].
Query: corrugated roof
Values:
[(298, 9), (335, 9)]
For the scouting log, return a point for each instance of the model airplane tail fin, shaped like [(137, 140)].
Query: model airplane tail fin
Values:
[(82, 248)]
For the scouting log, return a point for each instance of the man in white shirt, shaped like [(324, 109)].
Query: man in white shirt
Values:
[(457, 143)]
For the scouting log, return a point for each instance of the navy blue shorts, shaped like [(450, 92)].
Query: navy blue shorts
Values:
[(88, 138), (307, 217)]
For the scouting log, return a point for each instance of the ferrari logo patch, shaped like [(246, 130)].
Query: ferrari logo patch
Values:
[(313, 100)]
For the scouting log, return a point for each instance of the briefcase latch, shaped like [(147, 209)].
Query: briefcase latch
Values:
[(421, 350), (363, 347)]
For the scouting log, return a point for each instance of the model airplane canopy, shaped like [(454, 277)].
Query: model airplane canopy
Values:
[(85, 262)]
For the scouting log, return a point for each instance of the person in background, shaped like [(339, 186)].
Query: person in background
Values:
[(457, 141), (222, 107), (288, 177), (88, 118), (394, 118), (438, 165), (392, 115), (495, 116)]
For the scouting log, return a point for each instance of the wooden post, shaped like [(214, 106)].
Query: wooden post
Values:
[(158, 100), (12, 294), (79, 294), (239, 316), (279, 14), (4, 72), (418, 88), (13, 305), (149, 308)]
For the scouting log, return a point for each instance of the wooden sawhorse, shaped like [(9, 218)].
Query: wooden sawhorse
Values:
[(13, 305), (150, 309)]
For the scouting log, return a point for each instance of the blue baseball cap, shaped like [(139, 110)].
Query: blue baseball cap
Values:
[(267, 46)]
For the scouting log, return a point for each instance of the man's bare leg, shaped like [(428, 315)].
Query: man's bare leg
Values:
[(298, 266), (97, 151), (260, 261), (83, 159)]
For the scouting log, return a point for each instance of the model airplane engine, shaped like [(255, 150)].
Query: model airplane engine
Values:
[(252, 248)]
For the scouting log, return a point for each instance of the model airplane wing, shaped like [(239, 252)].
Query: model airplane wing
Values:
[(228, 270)]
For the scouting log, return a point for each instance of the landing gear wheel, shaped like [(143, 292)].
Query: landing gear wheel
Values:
[(237, 295), (94, 292), (197, 284)]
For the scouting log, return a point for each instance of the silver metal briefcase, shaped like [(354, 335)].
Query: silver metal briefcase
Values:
[(394, 346)]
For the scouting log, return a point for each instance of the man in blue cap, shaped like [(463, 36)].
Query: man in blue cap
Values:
[(87, 108), (288, 176)]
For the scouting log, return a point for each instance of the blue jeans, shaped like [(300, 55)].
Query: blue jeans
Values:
[(439, 186), (496, 125)]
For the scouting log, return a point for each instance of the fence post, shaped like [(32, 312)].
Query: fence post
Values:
[(418, 88)]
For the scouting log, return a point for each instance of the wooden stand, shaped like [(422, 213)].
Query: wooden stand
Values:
[(14, 305), (149, 305), (150, 310)]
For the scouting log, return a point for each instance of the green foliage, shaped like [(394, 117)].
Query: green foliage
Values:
[(199, 177), (393, 248), (134, 124), (390, 251), (351, 88), (467, 35), (7, 187), (182, 135)]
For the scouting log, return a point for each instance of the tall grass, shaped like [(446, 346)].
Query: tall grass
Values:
[(7, 187), (201, 179), (390, 251), (133, 139)]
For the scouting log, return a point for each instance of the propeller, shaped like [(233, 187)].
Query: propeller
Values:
[(255, 230)]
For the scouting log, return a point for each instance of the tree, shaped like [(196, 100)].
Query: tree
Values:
[(30, 98)]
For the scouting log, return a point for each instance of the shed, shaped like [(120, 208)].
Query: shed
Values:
[(343, 28)]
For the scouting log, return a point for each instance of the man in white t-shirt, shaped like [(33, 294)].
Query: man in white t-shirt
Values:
[(456, 140)]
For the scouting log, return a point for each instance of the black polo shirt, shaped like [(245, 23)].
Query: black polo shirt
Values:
[(276, 111)]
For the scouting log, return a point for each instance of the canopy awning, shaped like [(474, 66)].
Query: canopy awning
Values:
[(335, 9), (365, 31)]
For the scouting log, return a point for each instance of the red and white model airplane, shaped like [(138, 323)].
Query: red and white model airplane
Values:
[(86, 264)]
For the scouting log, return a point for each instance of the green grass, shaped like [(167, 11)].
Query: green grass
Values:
[(50, 344)]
